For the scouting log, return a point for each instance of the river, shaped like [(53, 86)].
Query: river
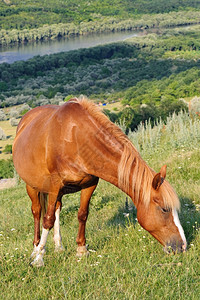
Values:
[(27, 51)]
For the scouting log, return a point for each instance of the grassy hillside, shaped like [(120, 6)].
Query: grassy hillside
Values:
[(125, 262)]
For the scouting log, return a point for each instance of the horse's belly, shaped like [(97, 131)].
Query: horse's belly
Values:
[(31, 166)]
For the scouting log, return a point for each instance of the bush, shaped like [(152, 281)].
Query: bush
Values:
[(8, 149), (2, 134), (24, 109), (194, 106), (141, 113), (14, 113), (14, 122), (68, 98), (2, 115), (6, 168)]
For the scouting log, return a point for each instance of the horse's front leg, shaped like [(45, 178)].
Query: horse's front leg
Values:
[(57, 235), (82, 218)]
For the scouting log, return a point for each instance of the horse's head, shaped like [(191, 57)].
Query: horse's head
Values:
[(160, 218)]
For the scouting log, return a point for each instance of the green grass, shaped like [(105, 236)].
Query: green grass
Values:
[(125, 261)]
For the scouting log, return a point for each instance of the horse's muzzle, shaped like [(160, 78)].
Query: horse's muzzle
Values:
[(175, 247)]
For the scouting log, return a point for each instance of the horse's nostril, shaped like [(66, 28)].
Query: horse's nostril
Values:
[(184, 247), (174, 246)]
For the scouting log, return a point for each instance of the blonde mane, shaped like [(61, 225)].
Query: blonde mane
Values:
[(132, 168)]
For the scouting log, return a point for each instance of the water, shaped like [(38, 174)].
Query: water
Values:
[(26, 51)]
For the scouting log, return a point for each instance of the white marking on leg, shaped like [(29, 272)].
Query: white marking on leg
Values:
[(180, 228), (57, 235), (82, 251), (39, 250), (44, 236)]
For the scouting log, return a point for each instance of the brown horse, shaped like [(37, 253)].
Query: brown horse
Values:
[(64, 149)]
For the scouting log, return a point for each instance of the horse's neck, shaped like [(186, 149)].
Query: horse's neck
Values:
[(113, 161), (103, 163), (123, 167)]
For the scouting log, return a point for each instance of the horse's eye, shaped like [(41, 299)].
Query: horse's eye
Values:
[(165, 210)]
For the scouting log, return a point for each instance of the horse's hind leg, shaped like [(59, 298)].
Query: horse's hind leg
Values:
[(48, 223), (57, 235), (39, 244), (36, 211), (82, 218)]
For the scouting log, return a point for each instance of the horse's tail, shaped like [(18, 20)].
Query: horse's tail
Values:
[(43, 203)]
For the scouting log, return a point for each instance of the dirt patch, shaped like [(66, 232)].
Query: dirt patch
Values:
[(7, 183)]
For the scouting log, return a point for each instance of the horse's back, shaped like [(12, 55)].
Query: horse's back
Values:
[(33, 114)]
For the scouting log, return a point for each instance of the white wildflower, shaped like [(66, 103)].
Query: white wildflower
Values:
[(126, 215)]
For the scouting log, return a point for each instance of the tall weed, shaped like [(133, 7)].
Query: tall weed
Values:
[(178, 132)]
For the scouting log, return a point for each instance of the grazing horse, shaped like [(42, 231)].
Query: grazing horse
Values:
[(64, 149)]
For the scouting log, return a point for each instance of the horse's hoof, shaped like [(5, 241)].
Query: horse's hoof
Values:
[(37, 262), (82, 251), (37, 258), (59, 248), (34, 253)]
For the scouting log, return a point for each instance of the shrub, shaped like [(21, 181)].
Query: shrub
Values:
[(2, 115), (14, 113), (194, 106), (2, 134), (24, 109), (6, 168), (14, 122), (8, 149), (68, 98)]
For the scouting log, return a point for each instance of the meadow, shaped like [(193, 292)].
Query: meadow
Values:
[(125, 262)]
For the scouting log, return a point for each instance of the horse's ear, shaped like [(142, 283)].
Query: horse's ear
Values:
[(163, 171), (159, 178)]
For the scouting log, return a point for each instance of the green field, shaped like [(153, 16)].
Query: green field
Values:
[(125, 262)]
